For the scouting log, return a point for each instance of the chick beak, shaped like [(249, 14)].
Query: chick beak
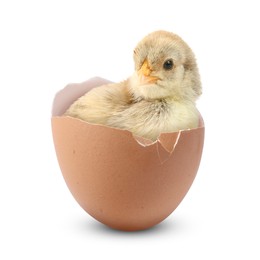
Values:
[(144, 74)]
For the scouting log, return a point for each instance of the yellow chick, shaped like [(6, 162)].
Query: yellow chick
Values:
[(159, 97)]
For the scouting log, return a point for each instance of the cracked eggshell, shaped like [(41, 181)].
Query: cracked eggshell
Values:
[(124, 182)]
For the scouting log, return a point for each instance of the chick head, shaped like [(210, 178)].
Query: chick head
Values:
[(165, 67)]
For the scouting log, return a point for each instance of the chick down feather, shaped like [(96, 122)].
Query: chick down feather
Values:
[(159, 97)]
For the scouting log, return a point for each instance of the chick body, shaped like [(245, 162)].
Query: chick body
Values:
[(150, 118), (156, 98)]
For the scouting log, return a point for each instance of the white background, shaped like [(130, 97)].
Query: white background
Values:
[(45, 45)]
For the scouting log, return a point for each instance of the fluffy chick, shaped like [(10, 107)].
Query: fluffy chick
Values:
[(159, 97)]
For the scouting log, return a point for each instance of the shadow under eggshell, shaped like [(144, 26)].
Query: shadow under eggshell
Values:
[(120, 182)]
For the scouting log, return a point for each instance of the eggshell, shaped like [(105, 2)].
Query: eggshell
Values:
[(125, 182)]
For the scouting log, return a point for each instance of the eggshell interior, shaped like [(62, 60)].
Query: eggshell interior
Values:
[(125, 182)]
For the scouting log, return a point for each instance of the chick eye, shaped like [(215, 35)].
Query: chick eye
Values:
[(168, 64)]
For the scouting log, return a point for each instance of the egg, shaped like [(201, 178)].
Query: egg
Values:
[(123, 181)]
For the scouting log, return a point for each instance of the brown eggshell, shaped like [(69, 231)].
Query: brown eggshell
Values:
[(124, 182)]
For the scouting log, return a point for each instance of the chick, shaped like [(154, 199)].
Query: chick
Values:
[(159, 97)]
